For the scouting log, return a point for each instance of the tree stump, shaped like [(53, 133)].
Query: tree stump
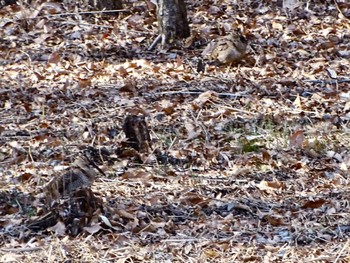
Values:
[(137, 133)]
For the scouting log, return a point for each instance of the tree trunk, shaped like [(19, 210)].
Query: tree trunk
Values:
[(7, 2), (172, 21), (107, 5)]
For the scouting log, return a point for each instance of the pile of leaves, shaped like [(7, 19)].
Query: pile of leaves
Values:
[(247, 163)]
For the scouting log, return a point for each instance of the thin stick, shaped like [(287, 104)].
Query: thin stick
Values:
[(184, 240), (340, 12), (85, 24), (89, 12), (26, 249), (234, 95), (155, 43), (341, 251), (327, 81)]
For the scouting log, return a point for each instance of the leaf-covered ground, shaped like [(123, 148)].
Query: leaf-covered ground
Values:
[(249, 163)]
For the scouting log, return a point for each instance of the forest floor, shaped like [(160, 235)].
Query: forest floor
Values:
[(248, 163)]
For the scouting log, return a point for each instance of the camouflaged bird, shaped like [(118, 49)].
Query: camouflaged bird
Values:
[(81, 174), (227, 50)]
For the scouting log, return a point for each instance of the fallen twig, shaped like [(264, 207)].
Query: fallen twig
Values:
[(345, 247), (25, 249), (326, 81), (155, 43), (89, 12), (231, 95), (341, 14)]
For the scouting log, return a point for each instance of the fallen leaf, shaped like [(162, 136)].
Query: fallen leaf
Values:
[(59, 229), (93, 229), (54, 58), (297, 139), (313, 204), (274, 221)]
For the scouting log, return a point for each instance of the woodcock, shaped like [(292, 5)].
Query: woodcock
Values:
[(81, 174), (227, 50)]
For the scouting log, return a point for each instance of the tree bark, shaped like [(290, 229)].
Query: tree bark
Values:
[(137, 133), (172, 21), (107, 5), (7, 2)]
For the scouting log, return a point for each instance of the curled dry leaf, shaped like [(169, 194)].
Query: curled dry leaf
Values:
[(274, 221), (106, 221), (193, 199), (93, 229), (271, 186), (140, 176), (265, 155), (54, 58), (211, 253), (203, 99), (297, 139), (314, 204), (192, 131), (59, 229)]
